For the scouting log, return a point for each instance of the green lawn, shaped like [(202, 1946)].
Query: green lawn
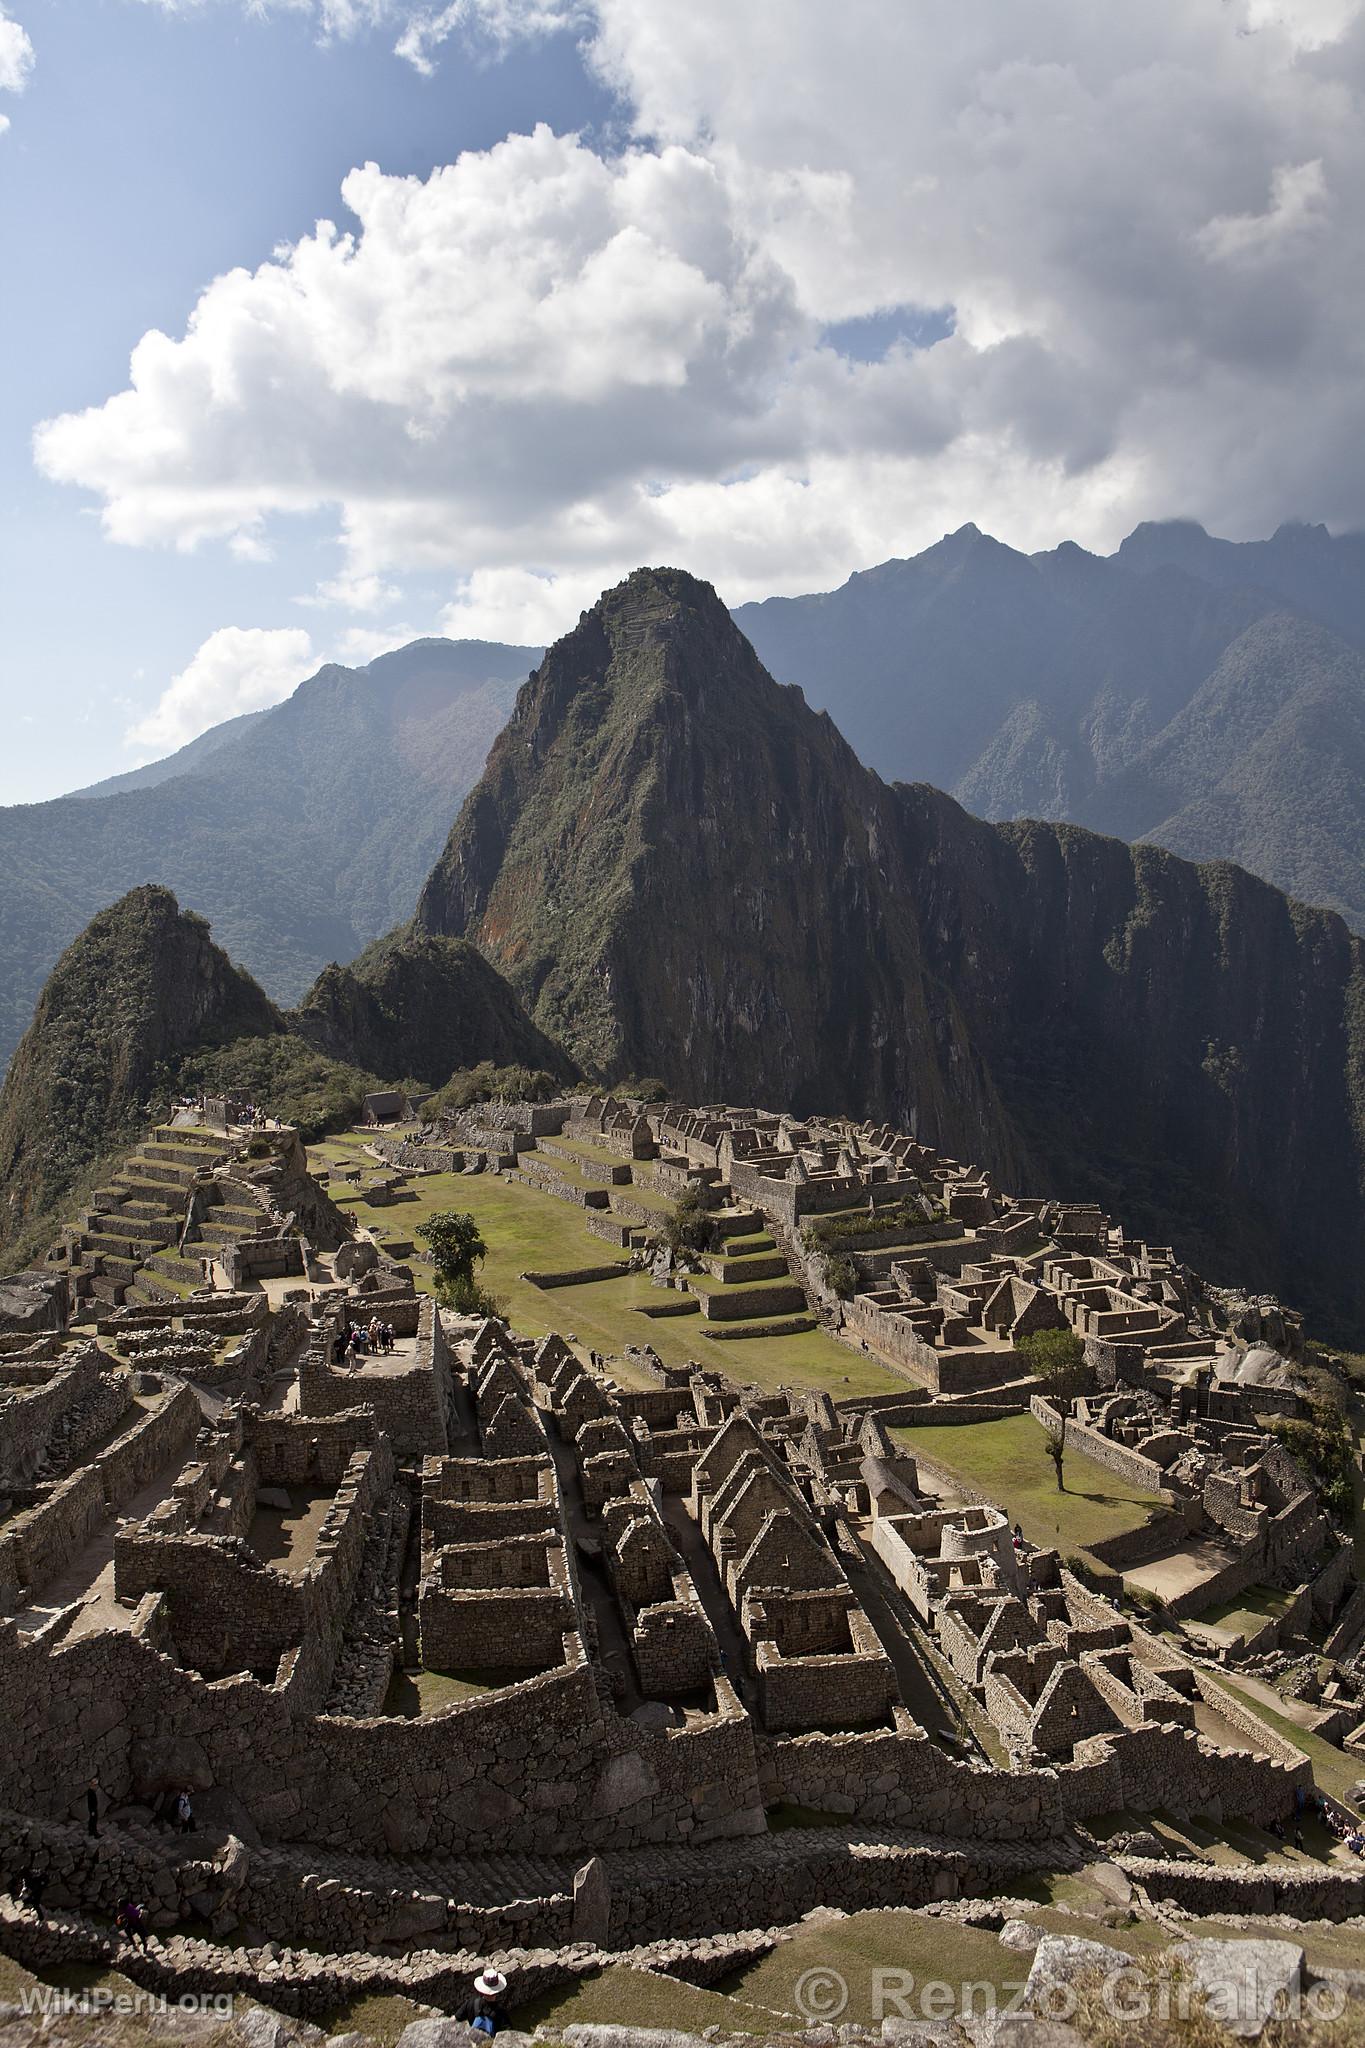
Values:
[(1245, 1615), (528, 1231), (1008, 1461)]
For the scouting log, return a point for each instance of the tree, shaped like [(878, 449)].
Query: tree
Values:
[(1057, 1359), (456, 1249), (690, 1227)]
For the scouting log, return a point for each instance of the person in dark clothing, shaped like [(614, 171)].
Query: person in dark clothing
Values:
[(484, 2010), (131, 1922), (92, 1806), (31, 1890)]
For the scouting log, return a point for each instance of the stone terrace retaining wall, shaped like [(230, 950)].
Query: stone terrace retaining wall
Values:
[(1292, 1888)]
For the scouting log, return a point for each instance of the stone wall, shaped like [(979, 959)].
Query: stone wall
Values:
[(40, 1540), (411, 1407), (142, 1451), (540, 1765), (1123, 1459), (30, 1413), (1304, 1893)]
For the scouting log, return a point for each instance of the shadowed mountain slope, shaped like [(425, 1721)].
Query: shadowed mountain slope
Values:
[(681, 868)]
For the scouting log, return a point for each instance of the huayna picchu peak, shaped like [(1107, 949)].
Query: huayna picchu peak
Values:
[(682, 869)]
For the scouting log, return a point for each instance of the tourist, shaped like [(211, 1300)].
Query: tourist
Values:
[(184, 1813), (92, 1806), (31, 1890), (484, 2010), (351, 1354), (389, 1336), (131, 1922)]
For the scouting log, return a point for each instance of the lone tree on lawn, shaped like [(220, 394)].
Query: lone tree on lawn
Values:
[(456, 1248), (1057, 1359)]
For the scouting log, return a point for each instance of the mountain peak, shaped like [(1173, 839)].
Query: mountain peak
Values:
[(142, 984), (1158, 542)]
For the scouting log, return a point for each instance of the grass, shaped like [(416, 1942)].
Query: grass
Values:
[(1008, 1461), (412, 1693), (636, 1998), (383, 2018), (866, 1946), (527, 1231), (1244, 1615)]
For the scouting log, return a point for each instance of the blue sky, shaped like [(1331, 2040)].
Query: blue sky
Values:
[(770, 292), (150, 152)]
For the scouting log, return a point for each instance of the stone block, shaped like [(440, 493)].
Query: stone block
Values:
[(1058, 1961)]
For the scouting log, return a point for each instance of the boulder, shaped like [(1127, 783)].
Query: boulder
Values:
[(1242, 1980), (1019, 1934), (434, 2033), (1058, 1961), (598, 2036)]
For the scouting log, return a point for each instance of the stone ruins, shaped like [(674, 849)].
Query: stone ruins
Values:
[(475, 1646)]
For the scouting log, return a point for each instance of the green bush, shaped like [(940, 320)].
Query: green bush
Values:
[(487, 1083), (457, 1247), (828, 1233), (691, 1227), (841, 1275)]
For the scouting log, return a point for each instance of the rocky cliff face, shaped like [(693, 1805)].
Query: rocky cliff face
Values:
[(417, 1007), (682, 869), (143, 985)]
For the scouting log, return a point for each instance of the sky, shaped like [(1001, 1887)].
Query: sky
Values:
[(328, 323)]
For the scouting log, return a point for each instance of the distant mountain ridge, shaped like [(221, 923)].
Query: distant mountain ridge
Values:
[(681, 868), (302, 832), (1208, 695)]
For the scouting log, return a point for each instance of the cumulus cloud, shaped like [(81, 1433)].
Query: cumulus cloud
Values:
[(1131, 236), (16, 58), (238, 668)]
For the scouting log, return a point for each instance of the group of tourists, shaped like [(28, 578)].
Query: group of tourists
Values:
[(365, 1340)]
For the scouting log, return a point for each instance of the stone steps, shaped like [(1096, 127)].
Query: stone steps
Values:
[(137, 1229), (765, 1298)]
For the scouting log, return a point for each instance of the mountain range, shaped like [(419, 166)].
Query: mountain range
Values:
[(673, 865), (302, 832), (1203, 694)]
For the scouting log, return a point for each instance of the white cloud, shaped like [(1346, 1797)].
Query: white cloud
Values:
[(16, 56), (238, 668), (545, 363), (422, 26)]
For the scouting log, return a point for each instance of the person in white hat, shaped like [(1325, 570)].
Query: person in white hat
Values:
[(484, 2010)]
